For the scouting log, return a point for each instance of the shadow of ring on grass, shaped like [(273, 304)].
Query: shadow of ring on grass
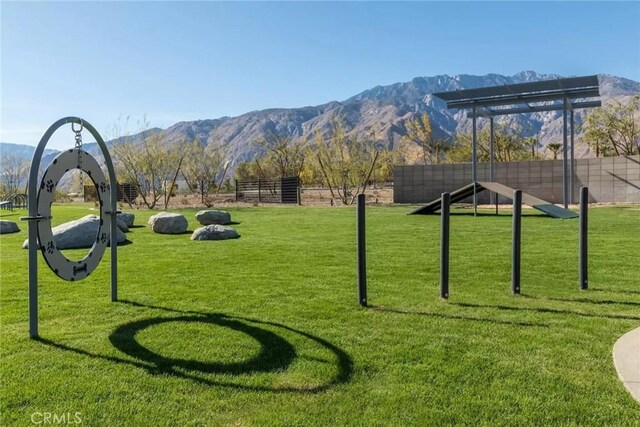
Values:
[(276, 353)]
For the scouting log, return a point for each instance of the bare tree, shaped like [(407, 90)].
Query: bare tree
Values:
[(286, 156), (202, 163), (13, 172), (509, 145), (147, 163), (346, 162), (614, 128), (419, 132)]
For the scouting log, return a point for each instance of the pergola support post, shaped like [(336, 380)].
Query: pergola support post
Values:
[(492, 155), (572, 171), (474, 161), (565, 160)]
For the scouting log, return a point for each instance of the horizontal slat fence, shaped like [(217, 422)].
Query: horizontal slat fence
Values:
[(283, 190)]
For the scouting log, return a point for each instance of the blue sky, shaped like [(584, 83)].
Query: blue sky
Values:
[(175, 61)]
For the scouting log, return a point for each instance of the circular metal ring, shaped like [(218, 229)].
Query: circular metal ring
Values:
[(62, 266)]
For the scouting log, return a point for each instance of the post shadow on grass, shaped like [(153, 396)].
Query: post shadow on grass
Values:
[(587, 301), (506, 213), (457, 317), (616, 291), (547, 310), (276, 353)]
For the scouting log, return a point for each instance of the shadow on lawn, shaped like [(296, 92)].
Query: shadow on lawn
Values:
[(588, 301), (616, 291), (548, 310), (501, 214), (457, 317), (276, 353)]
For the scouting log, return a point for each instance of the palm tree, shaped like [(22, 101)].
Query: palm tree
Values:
[(555, 149)]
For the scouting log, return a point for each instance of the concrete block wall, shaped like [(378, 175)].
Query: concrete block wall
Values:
[(610, 179)]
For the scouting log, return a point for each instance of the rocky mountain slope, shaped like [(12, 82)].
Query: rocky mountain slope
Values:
[(382, 110)]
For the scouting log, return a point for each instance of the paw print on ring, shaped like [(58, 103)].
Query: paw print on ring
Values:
[(48, 186), (103, 187), (50, 248), (104, 237)]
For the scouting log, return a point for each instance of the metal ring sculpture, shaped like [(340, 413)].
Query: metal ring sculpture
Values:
[(57, 262), (40, 214)]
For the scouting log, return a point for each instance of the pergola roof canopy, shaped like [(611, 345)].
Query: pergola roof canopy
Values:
[(516, 98), (549, 95)]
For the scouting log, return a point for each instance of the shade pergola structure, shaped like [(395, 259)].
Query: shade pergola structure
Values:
[(566, 95)]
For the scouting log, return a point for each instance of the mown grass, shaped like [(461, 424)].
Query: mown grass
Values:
[(265, 329)]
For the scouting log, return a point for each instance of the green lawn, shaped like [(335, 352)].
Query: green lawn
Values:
[(266, 330)]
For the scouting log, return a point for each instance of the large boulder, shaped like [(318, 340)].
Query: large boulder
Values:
[(208, 217), (7, 227), (80, 233), (168, 223), (127, 218), (122, 226), (214, 232)]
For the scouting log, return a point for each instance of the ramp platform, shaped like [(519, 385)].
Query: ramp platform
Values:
[(501, 189)]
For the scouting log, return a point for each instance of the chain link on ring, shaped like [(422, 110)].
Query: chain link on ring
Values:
[(78, 138)]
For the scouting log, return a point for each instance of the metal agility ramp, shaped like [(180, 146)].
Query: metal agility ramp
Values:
[(501, 189)]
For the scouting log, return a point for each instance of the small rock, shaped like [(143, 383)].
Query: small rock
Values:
[(127, 218), (214, 232), (7, 227), (168, 223), (80, 233), (208, 217)]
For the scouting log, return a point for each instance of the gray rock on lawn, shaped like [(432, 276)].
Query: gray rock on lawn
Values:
[(209, 217), (122, 226), (80, 233), (168, 223), (7, 227), (127, 218), (214, 232)]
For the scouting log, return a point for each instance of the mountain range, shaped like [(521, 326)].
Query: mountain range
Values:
[(383, 110)]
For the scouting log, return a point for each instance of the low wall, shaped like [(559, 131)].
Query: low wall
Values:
[(610, 179)]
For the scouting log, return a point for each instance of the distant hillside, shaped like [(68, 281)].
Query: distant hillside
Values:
[(383, 110), (22, 151)]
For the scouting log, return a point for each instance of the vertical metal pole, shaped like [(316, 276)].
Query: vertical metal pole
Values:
[(474, 161), (362, 251), (491, 151), (33, 229), (515, 249), (565, 171), (33, 260), (492, 154), (114, 245), (444, 245), (584, 247), (572, 166)]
